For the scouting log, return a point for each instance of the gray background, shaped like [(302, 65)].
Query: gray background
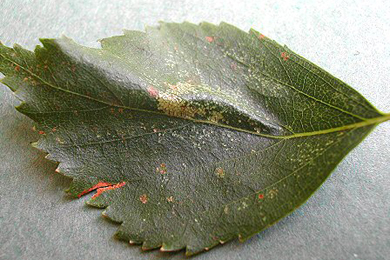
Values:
[(349, 216)]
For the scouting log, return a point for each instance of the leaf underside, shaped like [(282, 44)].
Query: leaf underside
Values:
[(192, 135)]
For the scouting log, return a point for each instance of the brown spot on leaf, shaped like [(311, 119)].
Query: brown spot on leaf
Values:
[(284, 55), (96, 186), (143, 198), (152, 92), (163, 168), (17, 68), (210, 39), (219, 172), (111, 187)]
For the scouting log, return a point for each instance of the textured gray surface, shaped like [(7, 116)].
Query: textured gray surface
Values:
[(349, 216)]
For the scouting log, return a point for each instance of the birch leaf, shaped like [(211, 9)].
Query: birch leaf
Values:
[(191, 135)]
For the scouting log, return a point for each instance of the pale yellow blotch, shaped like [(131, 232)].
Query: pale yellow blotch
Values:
[(172, 103), (272, 193)]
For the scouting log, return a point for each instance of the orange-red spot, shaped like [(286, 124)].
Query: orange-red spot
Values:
[(210, 38), (261, 36), (261, 196), (111, 187), (143, 198), (17, 68), (153, 92), (284, 55), (99, 185), (163, 168), (41, 132)]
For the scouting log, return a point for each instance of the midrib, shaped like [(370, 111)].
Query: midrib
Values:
[(363, 123)]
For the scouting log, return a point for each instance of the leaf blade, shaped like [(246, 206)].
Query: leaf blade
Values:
[(184, 118)]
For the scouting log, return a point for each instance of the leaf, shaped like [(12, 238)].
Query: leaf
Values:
[(192, 135)]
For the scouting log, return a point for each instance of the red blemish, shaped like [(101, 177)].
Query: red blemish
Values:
[(17, 68), (143, 198), (41, 132), (101, 187), (153, 92), (261, 196), (284, 55), (111, 187), (210, 38), (163, 168), (261, 36)]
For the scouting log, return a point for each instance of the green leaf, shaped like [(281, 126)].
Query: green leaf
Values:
[(192, 135)]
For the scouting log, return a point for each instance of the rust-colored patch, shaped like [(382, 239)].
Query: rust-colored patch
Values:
[(261, 36), (152, 92), (41, 132), (163, 168), (99, 185), (120, 110), (143, 198), (25, 79), (220, 172), (210, 38), (111, 187), (54, 129), (284, 55), (261, 196), (17, 68)]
